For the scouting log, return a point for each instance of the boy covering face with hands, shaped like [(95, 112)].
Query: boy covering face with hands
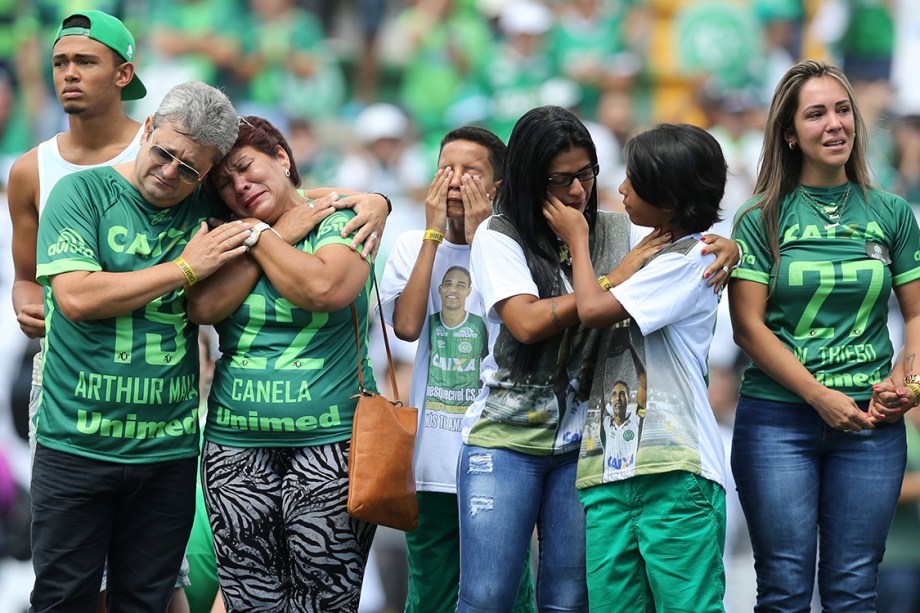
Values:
[(445, 377)]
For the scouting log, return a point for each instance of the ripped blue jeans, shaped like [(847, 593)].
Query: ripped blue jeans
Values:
[(502, 495)]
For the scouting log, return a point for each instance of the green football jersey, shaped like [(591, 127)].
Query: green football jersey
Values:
[(286, 377), (125, 388), (829, 302)]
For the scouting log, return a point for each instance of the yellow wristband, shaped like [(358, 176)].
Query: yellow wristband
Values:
[(433, 235), (605, 283), (186, 270)]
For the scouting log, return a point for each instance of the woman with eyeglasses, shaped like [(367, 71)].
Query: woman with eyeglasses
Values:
[(280, 409), (523, 433)]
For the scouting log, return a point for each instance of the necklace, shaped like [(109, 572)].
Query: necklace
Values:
[(823, 210), (565, 256)]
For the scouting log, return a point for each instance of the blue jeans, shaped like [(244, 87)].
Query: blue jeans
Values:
[(797, 478), (502, 495)]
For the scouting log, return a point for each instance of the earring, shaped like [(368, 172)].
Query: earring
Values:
[(287, 172), (792, 145)]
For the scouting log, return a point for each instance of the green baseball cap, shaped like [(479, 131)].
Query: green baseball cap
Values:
[(112, 33)]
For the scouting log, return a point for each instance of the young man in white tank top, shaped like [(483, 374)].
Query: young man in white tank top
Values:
[(93, 72)]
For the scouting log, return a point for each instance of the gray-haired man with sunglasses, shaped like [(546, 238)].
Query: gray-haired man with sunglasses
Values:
[(117, 424)]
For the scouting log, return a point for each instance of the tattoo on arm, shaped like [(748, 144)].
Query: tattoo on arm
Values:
[(909, 364), (555, 316)]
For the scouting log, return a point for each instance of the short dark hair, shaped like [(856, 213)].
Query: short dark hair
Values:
[(82, 21), (261, 135), (466, 272), (487, 139), (679, 167)]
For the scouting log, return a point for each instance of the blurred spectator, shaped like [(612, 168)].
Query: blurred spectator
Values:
[(15, 137), (445, 46), (874, 98), (860, 35), (21, 50), (902, 177), (10, 15), (14, 514), (316, 158), (388, 159), (899, 574), (735, 117), (287, 65), (781, 23), (906, 50), (521, 64), (7, 495), (15, 376), (867, 44), (616, 112), (735, 120), (20, 80), (371, 15), (366, 71), (16, 353), (589, 47), (189, 40), (906, 183), (737, 558)]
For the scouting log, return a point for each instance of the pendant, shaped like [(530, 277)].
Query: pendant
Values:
[(833, 225)]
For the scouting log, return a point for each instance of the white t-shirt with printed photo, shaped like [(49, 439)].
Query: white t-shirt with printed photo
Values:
[(668, 337), (446, 371)]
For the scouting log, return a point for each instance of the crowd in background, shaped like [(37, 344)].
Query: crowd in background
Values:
[(316, 68), (365, 90)]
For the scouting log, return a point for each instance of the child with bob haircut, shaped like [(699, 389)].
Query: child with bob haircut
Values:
[(651, 472)]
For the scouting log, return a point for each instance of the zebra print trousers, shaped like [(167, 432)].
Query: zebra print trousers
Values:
[(283, 539)]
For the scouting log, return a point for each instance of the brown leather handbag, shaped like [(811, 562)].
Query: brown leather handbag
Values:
[(381, 479)]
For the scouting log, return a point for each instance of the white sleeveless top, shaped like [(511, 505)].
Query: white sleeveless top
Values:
[(52, 167)]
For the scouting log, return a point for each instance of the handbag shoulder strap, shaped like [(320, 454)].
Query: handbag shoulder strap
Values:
[(386, 343)]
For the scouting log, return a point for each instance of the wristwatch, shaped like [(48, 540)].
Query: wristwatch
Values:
[(256, 231)]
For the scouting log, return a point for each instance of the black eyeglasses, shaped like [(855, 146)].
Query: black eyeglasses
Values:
[(162, 157), (564, 179)]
